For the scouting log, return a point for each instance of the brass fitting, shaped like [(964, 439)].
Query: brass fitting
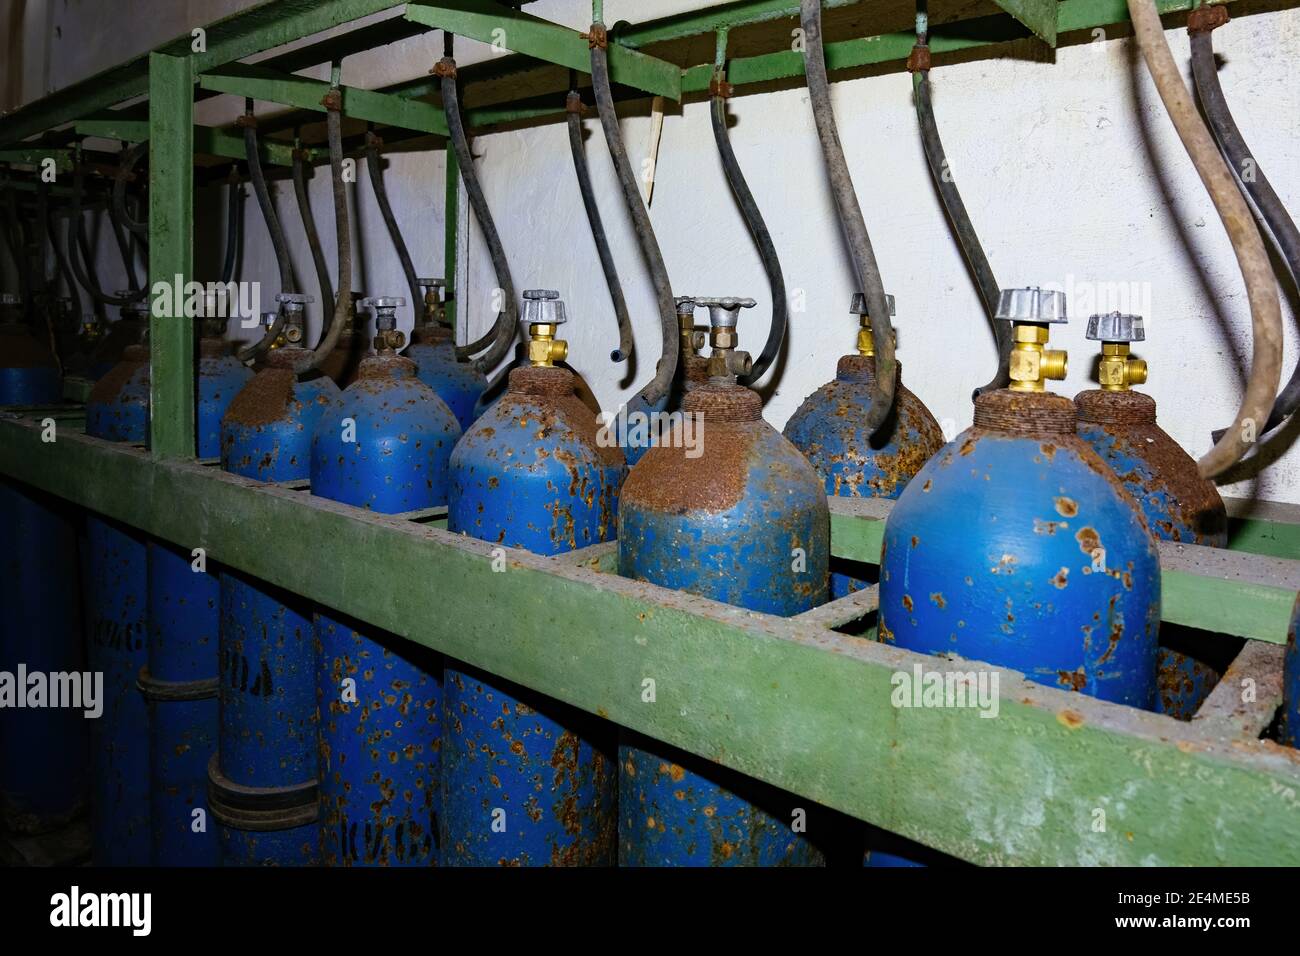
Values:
[(1118, 371), (389, 339), (1031, 365), (866, 339), (544, 349)]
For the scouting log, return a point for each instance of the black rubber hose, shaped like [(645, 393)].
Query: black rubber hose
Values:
[(851, 220), (278, 241), (666, 368), (375, 167), (506, 326), (962, 228), (61, 258), (1268, 207), (234, 207), (343, 237), (123, 247), (762, 238), (313, 234), (573, 105), (126, 166), (80, 250), (14, 245)]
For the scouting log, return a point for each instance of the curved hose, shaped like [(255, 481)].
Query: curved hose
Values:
[(1268, 206), (666, 368), (79, 250), (233, 214), (313, 234), (376, 170), (855, 227), (61, 258), (278, 242), (962, 226), (14, 245), (126, 166), (573, 107), (342, 232), (1252, 257), (762, 239), (506, 326), (123, 247)]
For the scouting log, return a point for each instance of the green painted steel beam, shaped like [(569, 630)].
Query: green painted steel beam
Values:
[(36, 156), (949, 37), (726, 15), (783, 700), (304, 93), (208, 140), (171, 225), (532, 36), (263, 26), (1038, 15)]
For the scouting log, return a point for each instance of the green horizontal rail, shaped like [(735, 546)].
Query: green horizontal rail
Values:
[(261, 27), (532, 36), (795, 704), (207, 139), (35, 157), (304, 93)]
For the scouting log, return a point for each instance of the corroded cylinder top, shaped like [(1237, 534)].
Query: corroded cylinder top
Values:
[(386, 366), (210, 347), (542, 380), (1115, 408), (860, 368), (430, 333), (1025, 413), (724, 403), (295, 360), (135, 353)]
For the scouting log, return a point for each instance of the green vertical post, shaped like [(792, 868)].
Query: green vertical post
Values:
[(451, 212), (171, 234)]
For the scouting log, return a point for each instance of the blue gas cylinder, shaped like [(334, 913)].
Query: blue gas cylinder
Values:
[(29, 375), (263, 782), (1054, 572), (384, 447), (42, 749), (118, 634), (221, 376), (529, 781), (1120, 425), (744, 521), (433, 350), (180, 685)]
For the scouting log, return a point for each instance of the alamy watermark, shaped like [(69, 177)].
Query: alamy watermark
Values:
[(190, 300), (946, 688), (624, 429), (73, 690)]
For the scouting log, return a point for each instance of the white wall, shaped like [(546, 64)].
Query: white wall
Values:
[(1071, 171)]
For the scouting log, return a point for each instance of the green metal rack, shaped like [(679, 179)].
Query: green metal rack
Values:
[(795, 701)]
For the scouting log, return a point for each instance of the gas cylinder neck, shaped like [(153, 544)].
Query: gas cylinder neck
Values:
[(723, 402), (1028, 414), (546, 381), (860, 368), (1110, 407), (386, 365)]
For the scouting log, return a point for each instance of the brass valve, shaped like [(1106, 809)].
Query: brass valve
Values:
[(1030, 311), (692, 337), (1031, 365), (858, 307), (388, 338), (544, 313), (434, 306), (726, 361), (294, 305), (1117, 371)]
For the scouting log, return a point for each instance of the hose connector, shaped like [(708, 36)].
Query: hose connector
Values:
[(1117, 371), (294, 305), (544, 314), (388, 338), (1030, 311), (858, 307), (726, 361)]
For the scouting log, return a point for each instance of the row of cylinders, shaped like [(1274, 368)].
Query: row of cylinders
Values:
[(1016, 544)]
